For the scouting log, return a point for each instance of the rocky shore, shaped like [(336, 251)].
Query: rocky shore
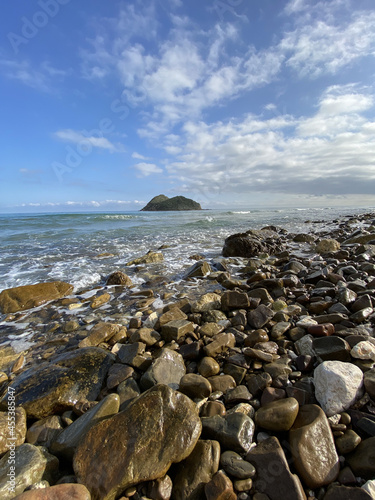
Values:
[(252, 378)]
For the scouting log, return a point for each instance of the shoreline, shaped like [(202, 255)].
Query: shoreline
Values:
[(239, 347)]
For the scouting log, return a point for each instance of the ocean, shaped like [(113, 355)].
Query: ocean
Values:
[(70, 246)]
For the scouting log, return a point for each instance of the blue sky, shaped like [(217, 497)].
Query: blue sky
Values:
[(235, 103)]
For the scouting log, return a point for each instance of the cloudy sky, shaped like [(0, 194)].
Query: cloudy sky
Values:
[(235, 103)]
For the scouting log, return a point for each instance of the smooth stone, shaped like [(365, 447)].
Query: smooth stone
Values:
[(362, 315), (195, 386), (362, 461), (327, 246), (210, 329), (67, 441), (44, 431), (271, 394), (369, 487), (100, 300), (337, 386), (239, 394), (235, 371), (101, 332), (117, 374), (19, 429), (211, 408), (208, 367), (198, 270), (32, 464), (243, 485), (273, 477), (146, 335), (59, 492), (369, 382), (222, 383), (234, 431), (313, 447), (168, 369), (332, 348), (366, 425), (277, 415), (256, 383), (196, 471), (220, 488), (221, 343), (280, 329), (160, 489), (322, 330), (25, 297), (58, 385), (236, 466), (363, 350), (128, 390), (119, 278), (176, 329), (346, 493), (139, 444), (172, 315), (348, 442)]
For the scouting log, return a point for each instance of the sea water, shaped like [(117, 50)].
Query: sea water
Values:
[(70, 246)]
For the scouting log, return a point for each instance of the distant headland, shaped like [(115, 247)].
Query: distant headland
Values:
[(162, 203)]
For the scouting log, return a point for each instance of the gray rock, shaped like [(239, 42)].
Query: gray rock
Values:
[(233, 431), (332, 348), (260, 316), (236, 466), (168, 368)]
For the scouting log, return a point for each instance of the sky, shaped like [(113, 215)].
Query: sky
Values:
[(234, 103)]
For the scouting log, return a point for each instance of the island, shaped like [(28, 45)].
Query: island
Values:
[(162, 203)]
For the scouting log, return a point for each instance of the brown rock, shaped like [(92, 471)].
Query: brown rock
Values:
[(25, 297), (222, 383), (234, 300), (119, 278), (101, 332), (346, 493), (220, 488), (59, 492), (195, 386), (176, 329), (278, 415), (100, 300), (362, 461), (139, 444), (313, 447), (19, 429), (322, 330), (221, 343)]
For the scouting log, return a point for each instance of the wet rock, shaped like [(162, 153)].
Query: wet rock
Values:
[(278, 415), (176, 329), (31, 465), (222, 383), (146, 335), (19, 429), (25, 297), (236, 466), (56, 386), (273, 476), (58, 492), (150, 258), (44, 431), (239, 394), (221, 343), (369, 382), (348, 442), (168, 368), (101, 332), (212, 408), (208, 302), (160, 489), (128, 391), (67, 441), (369, 487), (100, 300), (332, 348), (256, 383), (119, 278), (322, 330), (117, 374), (208, 367), (162, 425), (195, 386), (196, 471), (220, 488), (260, 316), (346, 493), (199, 270), (313, 447), (234, 300), (234, 431), (271, 394), (337, 385), (362, 315), (362, 461), (172, 315), (128, 353)]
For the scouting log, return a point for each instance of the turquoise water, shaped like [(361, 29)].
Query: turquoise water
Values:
[(46, 247)]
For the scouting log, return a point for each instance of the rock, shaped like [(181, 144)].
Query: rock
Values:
[(327, 246), (363, 239), (362, 461), (101, 332), (44, 431), (127, 353), (100, 300), (236, 466), (160, 489), (162, 203), (256, 383), (221, 343), (251, 243), (31, 464), (128, 391), (336, 492), (212, 408), (199, 270), (207, 302), (146, 335), (369, 487), (25, 297), (260, 316), (19, 429), (362, 315), (150, 258), (210, 329), (363, 350), (348, 442), (168, 368), (278, 415), (196, 471), (273, 477), (172, 315), (176, 329), (220, 488), (239, 394), (332, 348), (369, 382), (56, 386), (234, 300), (234, 431), (67, 441), (322, 330), (337, 386), (222, 383), (195, 386), (313, 448), (208, 367), (139, 444), (59, 492), (119, 278)]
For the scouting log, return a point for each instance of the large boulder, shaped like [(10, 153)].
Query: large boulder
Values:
[(139, 444), (252, 243), (25, 297)]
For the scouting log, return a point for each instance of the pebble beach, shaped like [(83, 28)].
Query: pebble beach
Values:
[(248, 373)]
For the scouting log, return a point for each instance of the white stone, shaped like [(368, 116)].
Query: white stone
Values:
[(337, 386), (363, 350), (306, 321), (370, 488)]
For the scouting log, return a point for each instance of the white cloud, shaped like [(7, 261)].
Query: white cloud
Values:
[(82, 138), (139, 156), (147, 169)]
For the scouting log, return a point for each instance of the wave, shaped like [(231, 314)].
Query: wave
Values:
[(116, 217)]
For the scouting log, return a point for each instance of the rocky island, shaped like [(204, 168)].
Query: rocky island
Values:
[(162, 203)]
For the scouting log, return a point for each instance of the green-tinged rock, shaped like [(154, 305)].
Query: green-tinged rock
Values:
[(236, 466), (31, 465), (68, 440), (25, 297), (362, 461), (139, 444), (196, 471), (65, 491), (19, 429), (313, 447), (56, 386), (277, 415)]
